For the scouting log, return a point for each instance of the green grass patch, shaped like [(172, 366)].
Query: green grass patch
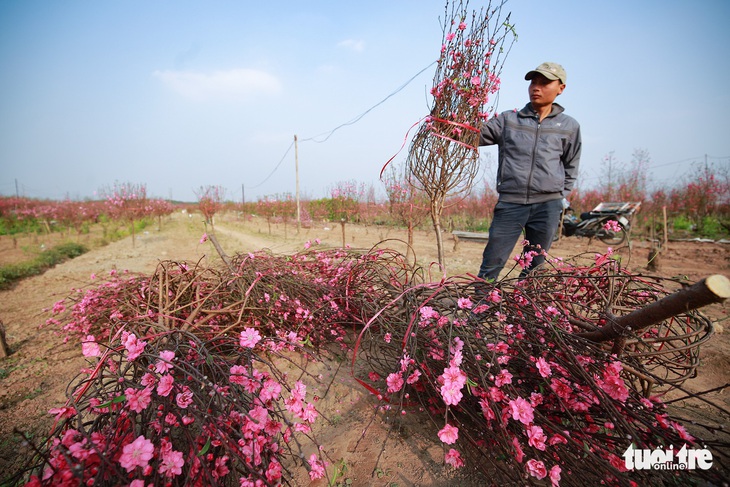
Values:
[(12, 273)]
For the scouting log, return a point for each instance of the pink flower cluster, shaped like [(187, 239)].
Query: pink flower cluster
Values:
[(612, 226), (611, 382), (468, 73), (250, 438), (453, 379)]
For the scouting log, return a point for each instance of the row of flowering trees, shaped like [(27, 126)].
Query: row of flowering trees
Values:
[(125, 203), (700, 203)]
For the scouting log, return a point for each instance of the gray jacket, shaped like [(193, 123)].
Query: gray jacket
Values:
[(538, 161)]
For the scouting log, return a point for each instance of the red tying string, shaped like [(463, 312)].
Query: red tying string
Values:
[(434, 119), (405, 139), (458, 124)]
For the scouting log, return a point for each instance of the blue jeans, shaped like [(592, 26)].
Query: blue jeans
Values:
[(539, 222)]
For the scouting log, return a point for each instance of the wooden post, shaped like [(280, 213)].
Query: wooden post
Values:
[(296, 165), (652, 262)]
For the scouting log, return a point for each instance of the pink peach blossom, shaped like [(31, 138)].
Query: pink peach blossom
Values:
[(536, 437), (521, 410), (172, 461), (249, 337), (270, 390), (536, 468), (137, 454), (453, 458), (316, 468), (185, 398), (138, 399), (543, 367), (555, 475), (504, 377), (163, 364), (395, 382), (519, 453), (164, 387), (134, 346), (449, 434), (89, 347)]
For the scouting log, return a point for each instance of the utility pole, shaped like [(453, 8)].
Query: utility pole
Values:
[(296, 166), (17, 193)]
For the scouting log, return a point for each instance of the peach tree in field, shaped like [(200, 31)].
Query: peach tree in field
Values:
[(703, 194), (286, 209), (210, 202), (127, 202), (266, 207), (344, 203), (443, 156), (406, 204), (78, 214), (277, 208), (160, 208), (191, 381)]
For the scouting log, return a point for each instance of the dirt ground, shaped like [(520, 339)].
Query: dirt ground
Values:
[(363, 447)]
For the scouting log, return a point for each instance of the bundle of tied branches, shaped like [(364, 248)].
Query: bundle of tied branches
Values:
[(443, 155), (197, 377), (519, 395)]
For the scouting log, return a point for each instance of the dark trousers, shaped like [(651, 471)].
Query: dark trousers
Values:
[(539, 222)]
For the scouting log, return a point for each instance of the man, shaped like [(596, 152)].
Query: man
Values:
[(539, 153)]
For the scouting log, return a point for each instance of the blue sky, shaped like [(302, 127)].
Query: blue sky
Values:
[(179, 95)]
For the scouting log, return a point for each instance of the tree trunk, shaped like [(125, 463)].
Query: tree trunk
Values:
[(409, 238), (439, 239), (436, 208)]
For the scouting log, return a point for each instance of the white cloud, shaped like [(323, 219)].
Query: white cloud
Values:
[(234, 84), (353, 44)]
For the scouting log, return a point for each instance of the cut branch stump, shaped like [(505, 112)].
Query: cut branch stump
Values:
[(710, 290)]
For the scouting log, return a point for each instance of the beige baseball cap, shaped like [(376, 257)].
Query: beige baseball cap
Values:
[(551, 71)]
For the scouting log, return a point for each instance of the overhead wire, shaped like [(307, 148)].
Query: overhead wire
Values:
[(359, 117), (351, 122), (275, 168)]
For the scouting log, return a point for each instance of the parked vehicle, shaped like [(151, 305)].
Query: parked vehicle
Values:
[(609, 222)]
